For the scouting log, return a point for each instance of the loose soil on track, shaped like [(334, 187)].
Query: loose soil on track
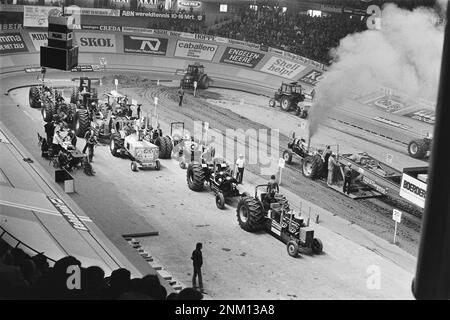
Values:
[(215, 106)]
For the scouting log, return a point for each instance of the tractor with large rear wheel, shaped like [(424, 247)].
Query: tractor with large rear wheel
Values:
[(218, 175), (272, 214), (195, 72), (291, 96)]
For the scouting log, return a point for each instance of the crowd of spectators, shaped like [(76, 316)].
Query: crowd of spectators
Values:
[(308, 36), (26, 277)]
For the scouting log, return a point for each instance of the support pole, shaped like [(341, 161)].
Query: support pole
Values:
[(432, 279)]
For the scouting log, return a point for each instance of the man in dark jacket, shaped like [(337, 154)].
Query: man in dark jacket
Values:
[(91, 140), (347, 178), (197, 260), (49, 131)]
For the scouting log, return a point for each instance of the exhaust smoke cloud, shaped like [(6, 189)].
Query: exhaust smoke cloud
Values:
[(405, 56)]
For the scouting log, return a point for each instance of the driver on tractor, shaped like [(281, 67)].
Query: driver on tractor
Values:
[(272, 189)]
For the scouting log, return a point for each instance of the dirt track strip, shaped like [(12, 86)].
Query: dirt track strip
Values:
[(369, 215)]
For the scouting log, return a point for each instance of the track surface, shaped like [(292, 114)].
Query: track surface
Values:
[(244, 266)]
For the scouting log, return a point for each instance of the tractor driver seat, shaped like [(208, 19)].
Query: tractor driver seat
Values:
[(275, 212)]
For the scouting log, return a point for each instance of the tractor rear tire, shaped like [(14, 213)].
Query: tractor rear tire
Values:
[(204, 82), (250, 214), (220, 201), (34, 98), (272, 103), (115, 144), (292, 248), (195, 177), (418, 148), (312, 167), (285, 103), (165, 147), (317, 246), (134, 166), (74, 96), (81, 122), (287, 156), (47, 112)]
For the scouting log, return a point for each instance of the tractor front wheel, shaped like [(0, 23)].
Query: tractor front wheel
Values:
[(287, 156), (316, 246), (134, 166), (285, 103), (157, 165), (292, 248), (220, 201), (272, 103), (418, 148)]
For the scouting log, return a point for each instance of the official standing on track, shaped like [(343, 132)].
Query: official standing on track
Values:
[(197, 261), (240, 168), (180, 95), (331, 164), (195, 88), (347, 178)]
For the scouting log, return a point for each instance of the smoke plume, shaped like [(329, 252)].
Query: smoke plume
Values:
[(405, 56)]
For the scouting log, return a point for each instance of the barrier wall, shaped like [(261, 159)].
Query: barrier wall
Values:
[(167, 51)]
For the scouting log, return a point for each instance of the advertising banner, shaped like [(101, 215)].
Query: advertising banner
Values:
[(195, 50), (37, 16), (240, 57), (12, 43), (163, 15), (282, 68), (244, 43), (312, 77), (101, 28), (145, 45), (96, 42), (10, 20), (187, 5), (92, 11), (39, 39), (413, 190)]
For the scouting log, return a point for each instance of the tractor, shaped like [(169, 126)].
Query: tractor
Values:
[(420, 148), (258, 212), (126, 143), (289, 95), (39, 94), (195, 72), (155, 136), (218, 175)]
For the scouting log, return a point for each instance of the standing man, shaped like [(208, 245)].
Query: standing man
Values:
[(197, 260), (180, 95), (240, 168), (91, 139), (326, 155), (49, 131), (195, 88), (347, 178), (331, 164)]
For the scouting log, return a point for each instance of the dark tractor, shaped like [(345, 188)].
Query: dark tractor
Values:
[(39, 94), (195, 72), (217, 175), (296, 147), (420, 148), (274, 216), (86, 100), (289, 95)]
